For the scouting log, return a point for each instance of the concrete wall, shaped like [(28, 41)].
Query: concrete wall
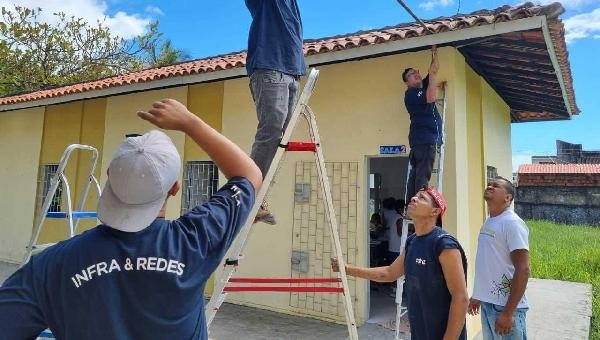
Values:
[(561, 204), (21, 136)]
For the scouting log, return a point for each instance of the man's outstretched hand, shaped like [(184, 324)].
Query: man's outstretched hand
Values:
[(168, 114), (434, 61)]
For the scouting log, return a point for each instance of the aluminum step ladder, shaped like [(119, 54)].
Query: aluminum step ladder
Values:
[(438, 170), (71, 216), (226, 283)]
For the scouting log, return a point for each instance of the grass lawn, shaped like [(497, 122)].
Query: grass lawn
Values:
[(568, 253)]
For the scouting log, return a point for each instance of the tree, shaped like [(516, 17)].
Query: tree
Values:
[(36, 55)]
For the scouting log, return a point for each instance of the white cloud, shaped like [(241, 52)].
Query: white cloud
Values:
[(126, 25), (521, 158), (122, 24), (431, 4), (582, 26), (154, 10)]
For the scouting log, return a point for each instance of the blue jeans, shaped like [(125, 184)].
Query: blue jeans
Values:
[(421, 159), (274, 94), (489, 313)]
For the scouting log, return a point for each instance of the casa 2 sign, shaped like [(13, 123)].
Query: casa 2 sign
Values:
[(392, 149)]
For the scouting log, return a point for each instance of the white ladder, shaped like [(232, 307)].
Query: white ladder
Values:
[(439, 171), (72, 216), (223, 287)]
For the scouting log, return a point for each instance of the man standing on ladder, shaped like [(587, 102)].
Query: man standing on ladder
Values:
[(275, 62), (425, 123), (137, 276), (435, 267)]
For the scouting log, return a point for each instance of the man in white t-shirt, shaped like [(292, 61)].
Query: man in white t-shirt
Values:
[(501, 267)]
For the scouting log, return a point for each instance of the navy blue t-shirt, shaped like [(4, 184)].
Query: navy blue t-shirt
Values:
[(275, 38), (110, 284), (427, 295), (425, 120)]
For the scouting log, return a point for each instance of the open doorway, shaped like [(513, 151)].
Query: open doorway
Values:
[(387, 177)]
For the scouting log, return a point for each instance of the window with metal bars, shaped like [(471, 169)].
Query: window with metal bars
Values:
[(46, 182), (492, 172), (200, 182)]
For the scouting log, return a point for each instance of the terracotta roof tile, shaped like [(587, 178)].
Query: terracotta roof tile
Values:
[(337, 43), (559, 169)]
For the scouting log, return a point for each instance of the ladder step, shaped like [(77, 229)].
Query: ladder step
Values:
[(230, 289), (76, 214), (284, 280), (303, 289), (301, 146)]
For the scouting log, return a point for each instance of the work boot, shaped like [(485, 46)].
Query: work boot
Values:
[(264, 215)]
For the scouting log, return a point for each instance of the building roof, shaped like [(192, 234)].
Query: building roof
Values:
[(559, 169), (528, 68)]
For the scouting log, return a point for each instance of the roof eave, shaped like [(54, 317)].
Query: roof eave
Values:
[(360, 52), (556, 65)]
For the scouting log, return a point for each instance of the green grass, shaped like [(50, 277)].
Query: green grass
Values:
[(568, 253)]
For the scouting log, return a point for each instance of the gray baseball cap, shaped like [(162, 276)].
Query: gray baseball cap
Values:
[(140, 175)]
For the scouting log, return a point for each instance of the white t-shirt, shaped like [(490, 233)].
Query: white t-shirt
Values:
[(390, 217), (494, 269)]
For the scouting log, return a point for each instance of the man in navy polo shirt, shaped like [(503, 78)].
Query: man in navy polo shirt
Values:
[(425, 133), (435, 269), (274, 63), (137, 275)]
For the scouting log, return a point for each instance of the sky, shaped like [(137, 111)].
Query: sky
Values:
[(211, 27)]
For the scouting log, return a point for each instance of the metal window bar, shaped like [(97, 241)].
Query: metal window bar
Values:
[(49, 170), (492, 172), (200, 182)]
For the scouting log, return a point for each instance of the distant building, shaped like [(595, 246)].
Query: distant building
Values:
[(563, 193), (568, 153)]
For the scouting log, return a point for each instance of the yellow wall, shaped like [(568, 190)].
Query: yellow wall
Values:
[(359, 106), (457, 162), (122, 119), (476, 169), (21, 133), (79, 122), (478, 134), (475, 182), (62, 127), (206, 101), (496, 131), (92, 133)]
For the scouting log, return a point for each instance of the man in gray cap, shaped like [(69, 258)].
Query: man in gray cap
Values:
[(137, 275)]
